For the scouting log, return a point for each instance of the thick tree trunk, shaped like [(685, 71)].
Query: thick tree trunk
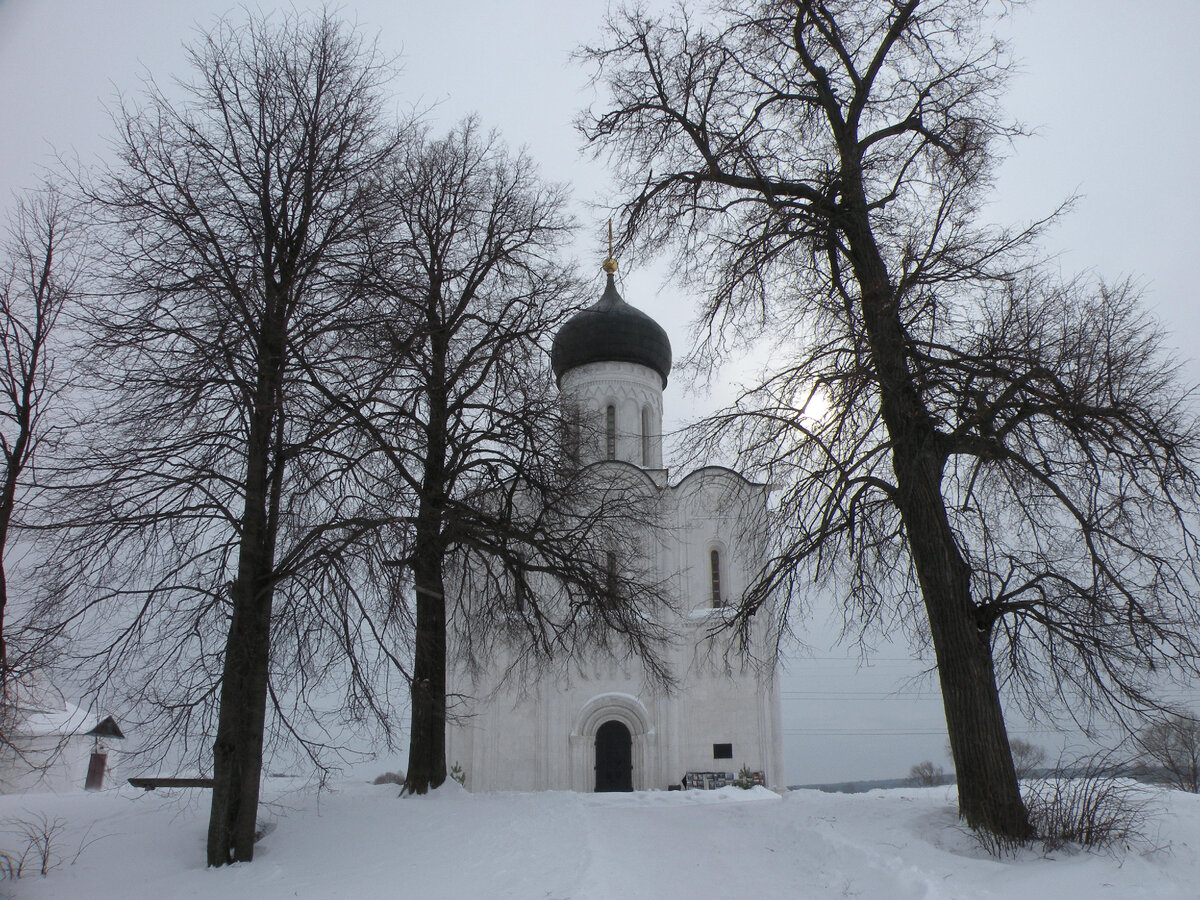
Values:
[(989, 794), (237, 751), (3, 638), (427, 739), (8, 504), (427, 736)]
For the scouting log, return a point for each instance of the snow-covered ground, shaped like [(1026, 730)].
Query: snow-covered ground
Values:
[(361, 841)]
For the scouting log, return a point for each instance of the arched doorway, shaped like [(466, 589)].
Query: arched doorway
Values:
[(627, 711), (614, 757)]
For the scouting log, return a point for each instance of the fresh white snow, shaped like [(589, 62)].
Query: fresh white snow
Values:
[(362, 841)]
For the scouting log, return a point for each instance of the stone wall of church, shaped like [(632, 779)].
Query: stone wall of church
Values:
[(635, 393), (542, 736)]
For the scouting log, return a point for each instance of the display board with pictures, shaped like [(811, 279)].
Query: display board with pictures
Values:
[(711, 781)]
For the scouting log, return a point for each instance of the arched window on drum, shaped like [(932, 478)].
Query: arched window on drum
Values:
[(646, 419), (714, 571)]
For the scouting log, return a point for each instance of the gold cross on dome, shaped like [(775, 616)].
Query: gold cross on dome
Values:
[(610, 264)]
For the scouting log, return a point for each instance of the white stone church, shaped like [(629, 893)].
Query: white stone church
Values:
[(596, 725)]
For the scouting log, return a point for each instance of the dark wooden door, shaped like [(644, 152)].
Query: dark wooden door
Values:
[(614, 757)]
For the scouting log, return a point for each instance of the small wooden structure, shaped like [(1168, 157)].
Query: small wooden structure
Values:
[(98, 764)]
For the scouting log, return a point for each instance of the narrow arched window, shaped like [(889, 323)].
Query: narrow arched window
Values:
[(610, 576), (646, 436), (714, 565), (572, 429), (610, 432)]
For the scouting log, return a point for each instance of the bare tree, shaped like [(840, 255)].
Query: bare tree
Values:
[(925, 774), (1002, 461), (1172, 745), (468, 437), (1027, 757), (207, 524), (38, 278)]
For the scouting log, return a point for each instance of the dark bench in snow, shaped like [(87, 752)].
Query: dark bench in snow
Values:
[(150, 784)]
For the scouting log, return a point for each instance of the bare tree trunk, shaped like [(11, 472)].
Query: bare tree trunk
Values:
[(237, 751), (427, 739), (427, 743), (989, 794)]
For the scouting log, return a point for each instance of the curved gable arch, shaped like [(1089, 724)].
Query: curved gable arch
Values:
[(723, 473), (635, 473), (625, 708)]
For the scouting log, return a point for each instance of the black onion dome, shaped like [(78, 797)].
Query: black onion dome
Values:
[(611, 331)]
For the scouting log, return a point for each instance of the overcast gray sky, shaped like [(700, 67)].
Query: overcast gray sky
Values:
[(1110, 86)]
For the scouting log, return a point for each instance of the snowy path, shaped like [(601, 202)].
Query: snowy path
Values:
[(362, 842)]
